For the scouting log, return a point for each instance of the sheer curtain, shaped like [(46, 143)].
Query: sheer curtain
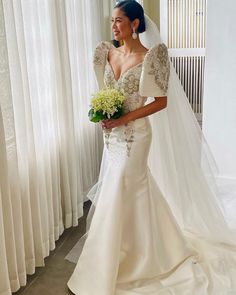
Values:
[(49, 152)]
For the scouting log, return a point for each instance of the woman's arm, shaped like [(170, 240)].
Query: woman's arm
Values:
[(151, 108)]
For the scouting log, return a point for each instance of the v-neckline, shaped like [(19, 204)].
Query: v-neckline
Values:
[(125, 72)]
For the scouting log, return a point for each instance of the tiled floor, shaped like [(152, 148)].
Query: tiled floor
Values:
[(52, 279)]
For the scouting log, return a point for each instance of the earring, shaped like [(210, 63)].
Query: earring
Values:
[(134, 35)]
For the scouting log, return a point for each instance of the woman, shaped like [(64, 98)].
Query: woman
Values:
[(134, 244)]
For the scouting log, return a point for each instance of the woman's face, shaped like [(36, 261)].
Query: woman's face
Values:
[(121, 25)]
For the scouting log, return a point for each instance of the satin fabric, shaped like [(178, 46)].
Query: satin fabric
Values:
[(133, 237)]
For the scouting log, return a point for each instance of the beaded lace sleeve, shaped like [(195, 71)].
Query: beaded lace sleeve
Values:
[(156, 71), (99, 61)]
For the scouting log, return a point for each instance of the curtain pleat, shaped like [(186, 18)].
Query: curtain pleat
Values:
[(49, 152)]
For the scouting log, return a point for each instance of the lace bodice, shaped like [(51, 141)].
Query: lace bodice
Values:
[(149, 78), (128, 83)]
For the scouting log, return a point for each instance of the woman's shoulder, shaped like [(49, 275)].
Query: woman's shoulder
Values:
[(155, 72), (100, 52), (104, 45), (158, 52)]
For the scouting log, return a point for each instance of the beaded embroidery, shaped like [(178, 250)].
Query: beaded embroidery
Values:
[(107, 133), (100, 53), (129, 137), (129, 83), (158, 62), (160, 66)]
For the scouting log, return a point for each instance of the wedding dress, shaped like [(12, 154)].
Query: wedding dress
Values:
[(136, 241)]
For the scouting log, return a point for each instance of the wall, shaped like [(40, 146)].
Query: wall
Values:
[(219, 105), (152, 9)]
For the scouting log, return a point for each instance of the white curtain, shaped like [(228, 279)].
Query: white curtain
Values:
[(49, 152)]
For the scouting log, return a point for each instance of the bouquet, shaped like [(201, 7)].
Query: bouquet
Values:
[(106, 104)]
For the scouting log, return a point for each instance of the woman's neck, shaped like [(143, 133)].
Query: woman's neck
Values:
[(132, 46)]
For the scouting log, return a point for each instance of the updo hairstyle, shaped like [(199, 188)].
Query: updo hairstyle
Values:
[(133, 10)]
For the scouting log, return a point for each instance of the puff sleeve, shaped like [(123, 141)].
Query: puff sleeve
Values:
[(155, 73), (99, 61)]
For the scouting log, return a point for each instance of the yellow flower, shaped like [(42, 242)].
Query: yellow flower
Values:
[(108, 101)]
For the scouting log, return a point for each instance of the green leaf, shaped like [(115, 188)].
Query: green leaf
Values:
[(96, 116), (118, 114)]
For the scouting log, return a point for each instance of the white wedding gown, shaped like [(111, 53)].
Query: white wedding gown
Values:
[(134, 244)]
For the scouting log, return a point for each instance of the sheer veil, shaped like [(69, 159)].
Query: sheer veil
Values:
[(183, 165)]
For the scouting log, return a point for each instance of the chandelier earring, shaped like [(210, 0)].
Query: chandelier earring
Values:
[(134, 35)]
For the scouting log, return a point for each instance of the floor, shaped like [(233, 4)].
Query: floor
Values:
[(52, 279)]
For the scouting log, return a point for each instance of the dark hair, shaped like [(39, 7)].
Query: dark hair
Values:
[(133, 10)]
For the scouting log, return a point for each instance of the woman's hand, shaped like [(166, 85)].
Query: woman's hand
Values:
[(157, 105), (112, 123)]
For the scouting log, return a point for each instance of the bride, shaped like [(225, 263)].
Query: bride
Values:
[(156, 224)]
